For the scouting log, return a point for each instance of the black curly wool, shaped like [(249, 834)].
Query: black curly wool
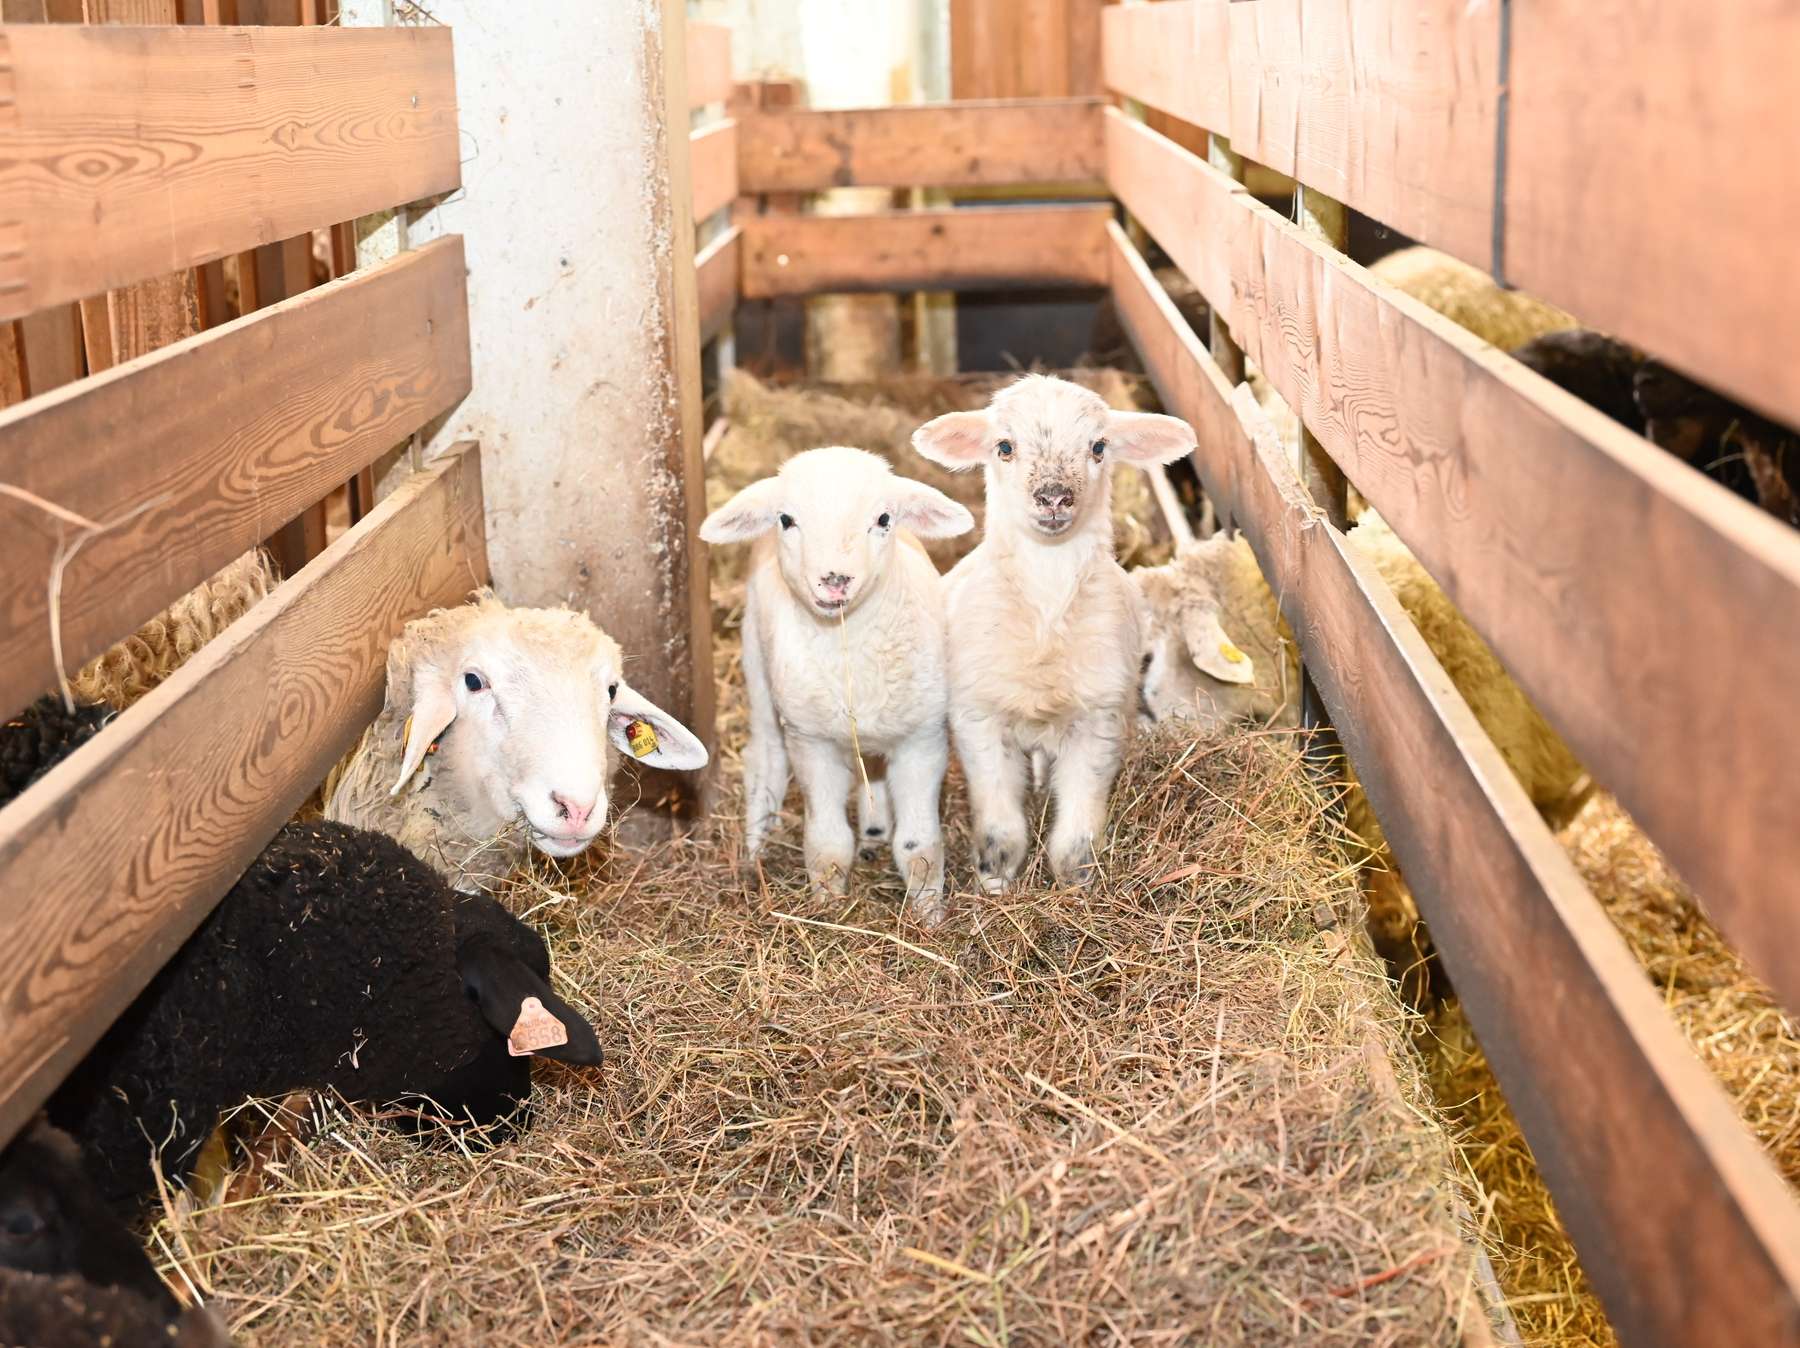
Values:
[(40, 737), (66, 1312), (334, 962)]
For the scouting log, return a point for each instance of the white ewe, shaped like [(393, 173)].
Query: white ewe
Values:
[(501, 731), (844, 656), (1042, 620)]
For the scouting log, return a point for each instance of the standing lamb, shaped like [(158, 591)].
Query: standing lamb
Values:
[(844, 657), (1044, 625), (501, 730)]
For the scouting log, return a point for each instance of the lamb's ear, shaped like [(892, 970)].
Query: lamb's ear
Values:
[(433, 709), (650, 735), (956, 440), (1212, 651), (929, 513), (521, 1007), (1148, 437), (751, 512)]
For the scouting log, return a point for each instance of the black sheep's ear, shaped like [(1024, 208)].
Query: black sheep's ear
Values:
[(522, 1009)]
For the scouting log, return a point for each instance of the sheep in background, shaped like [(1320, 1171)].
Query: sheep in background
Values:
[(132, 667), (40, 737), (338, 961), (501, 730), (844, 657), (1044, 628), (1214, 592), (1469, 297)]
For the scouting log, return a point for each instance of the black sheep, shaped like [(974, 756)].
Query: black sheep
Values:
[(40, 737), (67, 1312), (338, 961)]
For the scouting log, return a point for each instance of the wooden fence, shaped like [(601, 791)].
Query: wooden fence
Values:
[(1651, 615), (134, 160)]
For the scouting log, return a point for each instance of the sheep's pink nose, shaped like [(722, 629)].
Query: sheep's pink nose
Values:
[(571, 810), (835, 583), (1055, 497)]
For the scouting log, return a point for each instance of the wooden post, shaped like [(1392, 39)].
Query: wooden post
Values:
[(585, 333), (1228, 355)]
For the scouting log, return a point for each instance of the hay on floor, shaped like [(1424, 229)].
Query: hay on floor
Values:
[(1733, 1024), (1170, 1108)]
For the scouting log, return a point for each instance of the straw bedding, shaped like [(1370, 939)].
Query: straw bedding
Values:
[(1172, 1108)]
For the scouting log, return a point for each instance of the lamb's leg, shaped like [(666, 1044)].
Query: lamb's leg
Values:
[(765, 756), (874, 813), (1081, 780), (916, 774), (825, 774), (996, 778)]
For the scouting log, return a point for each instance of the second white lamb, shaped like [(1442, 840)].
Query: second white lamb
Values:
[(844, 664)]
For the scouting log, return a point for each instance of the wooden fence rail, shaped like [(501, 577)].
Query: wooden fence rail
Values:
[(1607, 1090), (112, 859), (1619, 185), (129, 153)]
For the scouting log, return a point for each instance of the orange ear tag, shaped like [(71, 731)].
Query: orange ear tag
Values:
[(641, 738), (535, 1029)]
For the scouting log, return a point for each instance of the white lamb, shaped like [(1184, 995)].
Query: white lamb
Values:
[(1043, 623), (844, 656), (501, 731)]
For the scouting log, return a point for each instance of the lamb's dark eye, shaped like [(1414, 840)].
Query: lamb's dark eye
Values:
[(1004, 449), (1099, 450), (612, 691), (883, 520), (475, 681), (787, 521)]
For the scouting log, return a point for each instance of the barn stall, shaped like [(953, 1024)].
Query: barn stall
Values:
[(1183, 1098)]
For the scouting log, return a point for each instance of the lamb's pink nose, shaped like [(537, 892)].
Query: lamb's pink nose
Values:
[(576, 813), (835, 583)]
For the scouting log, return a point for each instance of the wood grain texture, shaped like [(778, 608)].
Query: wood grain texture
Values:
[(1171, 56), (713, 165), (1389, 107), (109, 862), (717, 269), (1189, 206), (977, 248), (53, 352), (12, 365), (130, 153), (1681, 1221), (708, 64), (925, 145), (1024, 48), (234, 431), (1654, 192)]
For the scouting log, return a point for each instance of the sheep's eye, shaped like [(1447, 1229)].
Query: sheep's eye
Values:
[(883, 520), (1099, 450), (1004, 449), (474, 681), (612, 691), (787, 521)]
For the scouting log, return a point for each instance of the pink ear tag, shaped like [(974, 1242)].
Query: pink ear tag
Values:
[(534, 1030)]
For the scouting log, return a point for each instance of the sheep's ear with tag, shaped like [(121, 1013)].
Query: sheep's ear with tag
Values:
[(1212, 651), (433, 709), (519, 1005), (649, 734)]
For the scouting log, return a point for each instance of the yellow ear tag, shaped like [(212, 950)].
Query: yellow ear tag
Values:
[(641, 738), (1232, 653)]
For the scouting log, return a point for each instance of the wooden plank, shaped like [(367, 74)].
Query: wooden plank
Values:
[(1171, 56), (113, 858), (925, 145), (1179, 198), (1389, 107), (708, 64), (53, 354), (713, 165), (133, 153), (1014, 49), (717, 268), (12, 365), (977, 248), (1637, 1140), (1648, 192), (234, 432), (1595, 565)]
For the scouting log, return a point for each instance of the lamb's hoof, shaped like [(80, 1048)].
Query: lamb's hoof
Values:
[(869, 854), (928, 907), (1075, 866), (996, 862), (832, 878), (993, 884)]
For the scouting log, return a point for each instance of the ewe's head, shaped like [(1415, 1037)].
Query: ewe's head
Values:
[(1193, 669), (1048, 447), (834, 513), (528, 710)]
